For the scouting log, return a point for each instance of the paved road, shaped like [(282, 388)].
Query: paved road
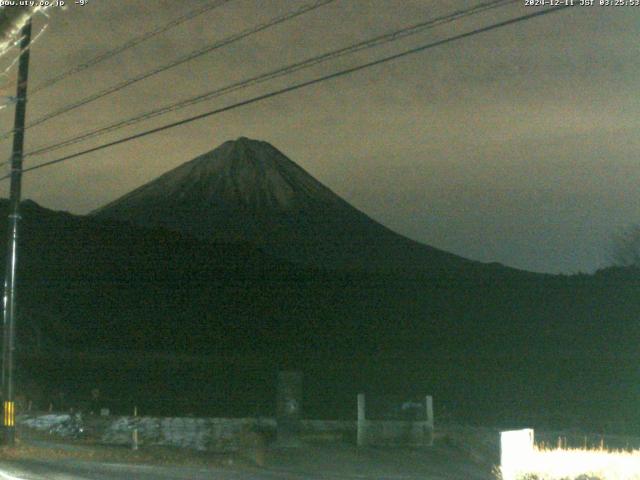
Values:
[(81, 470), (446, 461), (84, 470)]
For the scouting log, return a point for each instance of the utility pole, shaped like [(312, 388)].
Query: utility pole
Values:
[(8, 339)]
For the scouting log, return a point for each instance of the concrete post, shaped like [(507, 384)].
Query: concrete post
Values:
[(289, 408), (134, 439), (429, 406), (361, 420)]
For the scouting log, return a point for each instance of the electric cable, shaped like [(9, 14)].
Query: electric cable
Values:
[(190, 56), (301, 85), (127, 45), (366, 44)]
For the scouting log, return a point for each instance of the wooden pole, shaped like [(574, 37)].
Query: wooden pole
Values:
[(8, 343)]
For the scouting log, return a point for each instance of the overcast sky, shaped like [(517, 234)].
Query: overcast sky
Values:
[(518, 145)]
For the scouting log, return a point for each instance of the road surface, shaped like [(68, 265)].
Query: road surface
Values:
[(447, 459), (84, 470)]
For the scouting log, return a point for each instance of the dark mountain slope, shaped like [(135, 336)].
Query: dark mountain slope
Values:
[(485, 342), (248, 190)]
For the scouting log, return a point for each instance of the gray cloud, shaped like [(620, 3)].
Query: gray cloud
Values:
[(516, 146)]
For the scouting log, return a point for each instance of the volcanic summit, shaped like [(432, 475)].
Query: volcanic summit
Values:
[(247, 190)]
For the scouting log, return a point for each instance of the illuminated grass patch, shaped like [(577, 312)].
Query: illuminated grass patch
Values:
[(542, 463)]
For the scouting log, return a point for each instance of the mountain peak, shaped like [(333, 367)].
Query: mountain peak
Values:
[(245, 146), (254, 154), (247, 140), (249, 190), (242, 174)]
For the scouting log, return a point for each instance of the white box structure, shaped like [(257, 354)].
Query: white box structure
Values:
[(516, 451)]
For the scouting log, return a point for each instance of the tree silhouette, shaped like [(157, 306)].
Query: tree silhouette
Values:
[(625, 248)]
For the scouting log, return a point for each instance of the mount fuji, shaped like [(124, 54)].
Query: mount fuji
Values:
[(247, 190)]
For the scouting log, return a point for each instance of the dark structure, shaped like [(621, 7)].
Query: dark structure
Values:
[(289, 408)]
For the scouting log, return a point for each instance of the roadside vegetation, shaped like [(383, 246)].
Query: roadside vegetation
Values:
[(579, 464)]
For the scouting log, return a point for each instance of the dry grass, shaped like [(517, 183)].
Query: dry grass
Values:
[(578, 464), (101, 453)]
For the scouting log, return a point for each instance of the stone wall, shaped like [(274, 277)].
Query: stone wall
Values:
[(219, 434), (211, 434)]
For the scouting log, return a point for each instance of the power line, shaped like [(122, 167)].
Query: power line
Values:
[(8, 68), (129, 44), (195, 54), (298, 86), (289, 69)]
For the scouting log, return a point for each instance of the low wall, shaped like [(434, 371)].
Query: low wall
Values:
[(206, 434), (389, 428), (395, 433), (220, 434)]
